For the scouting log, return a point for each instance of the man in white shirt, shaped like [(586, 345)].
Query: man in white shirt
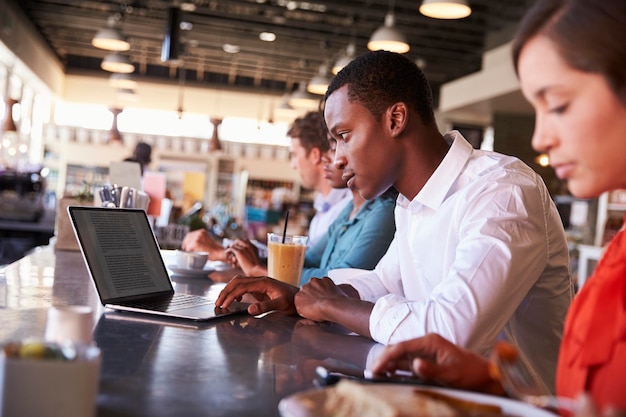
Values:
[(479, 250), (309, 144)]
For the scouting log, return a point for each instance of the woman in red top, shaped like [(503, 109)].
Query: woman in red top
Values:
[(570, 57)]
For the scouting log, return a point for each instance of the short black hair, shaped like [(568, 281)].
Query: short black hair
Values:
[(143, 153), (379, 79)]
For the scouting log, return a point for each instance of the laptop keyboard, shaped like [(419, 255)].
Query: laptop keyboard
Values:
[(177, 302)]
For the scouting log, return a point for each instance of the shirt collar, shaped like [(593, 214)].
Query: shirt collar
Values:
[(438, 185), (323, 204)]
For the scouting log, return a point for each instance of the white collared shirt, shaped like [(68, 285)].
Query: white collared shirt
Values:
[(326, 211), (479, 251)]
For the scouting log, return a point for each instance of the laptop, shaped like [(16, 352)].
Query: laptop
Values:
[(125, 264)]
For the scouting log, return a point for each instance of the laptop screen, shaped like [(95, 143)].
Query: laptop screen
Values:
[(121, 251)]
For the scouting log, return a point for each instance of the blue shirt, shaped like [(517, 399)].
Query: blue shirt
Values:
[(327, 209), (357, 243)]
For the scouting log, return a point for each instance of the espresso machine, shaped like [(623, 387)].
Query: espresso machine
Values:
[(22, 195)]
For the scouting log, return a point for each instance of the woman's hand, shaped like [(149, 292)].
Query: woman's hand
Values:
[(243, 254)]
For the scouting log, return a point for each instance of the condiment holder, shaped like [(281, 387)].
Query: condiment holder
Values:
[(56, 377)]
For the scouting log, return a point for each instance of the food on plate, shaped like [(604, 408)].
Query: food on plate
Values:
[(465, 407), (353, 399)]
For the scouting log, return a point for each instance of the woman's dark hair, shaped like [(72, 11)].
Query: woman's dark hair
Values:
[(381, 78), (311, 130), (588, 34)]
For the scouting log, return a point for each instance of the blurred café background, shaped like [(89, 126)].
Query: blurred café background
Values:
[(212, 86)]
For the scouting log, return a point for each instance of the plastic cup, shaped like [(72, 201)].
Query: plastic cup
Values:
[(285, 260)]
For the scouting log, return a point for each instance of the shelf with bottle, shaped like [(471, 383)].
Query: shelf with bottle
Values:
[(273, 194)]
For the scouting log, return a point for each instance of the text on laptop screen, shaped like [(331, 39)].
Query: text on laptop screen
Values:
[(123, 254)]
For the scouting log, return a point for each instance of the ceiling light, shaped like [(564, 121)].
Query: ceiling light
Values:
[(319, 83), (388, 38), (445, 9), (110, 37), (543, 160), (117, 62), (345, 59), (121, 80), (303, 99), (286, 111), (230, 48), (284, 104), (188, 6), (267, 36), (127, 94)]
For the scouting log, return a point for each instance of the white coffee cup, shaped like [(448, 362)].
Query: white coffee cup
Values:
[(191, 260), (72, 322)]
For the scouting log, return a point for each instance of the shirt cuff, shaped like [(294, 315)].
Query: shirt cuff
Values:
[(373, 354), (387, 315)]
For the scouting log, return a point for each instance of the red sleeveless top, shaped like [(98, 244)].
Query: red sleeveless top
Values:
[(592, 357)]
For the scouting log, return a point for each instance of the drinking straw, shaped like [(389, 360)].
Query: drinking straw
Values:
[(285, 228)]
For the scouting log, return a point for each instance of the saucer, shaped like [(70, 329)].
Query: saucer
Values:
[(190, 272)]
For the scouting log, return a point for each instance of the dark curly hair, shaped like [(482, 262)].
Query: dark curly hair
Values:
[(381, 78), (311, 130)]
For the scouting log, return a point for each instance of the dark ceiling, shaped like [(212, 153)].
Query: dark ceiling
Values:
[(309, 34)]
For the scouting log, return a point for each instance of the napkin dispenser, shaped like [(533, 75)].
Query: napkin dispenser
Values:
[(48, 387)]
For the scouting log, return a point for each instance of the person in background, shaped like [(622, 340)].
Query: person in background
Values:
[(569, 56), (142, 154), (360, 235), (479, 250), (309, 143), (358, 238)]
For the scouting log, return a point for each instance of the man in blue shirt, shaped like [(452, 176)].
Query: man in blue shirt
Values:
[(358, 238)]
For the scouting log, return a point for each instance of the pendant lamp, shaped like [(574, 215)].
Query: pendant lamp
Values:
[(116, 62), (319, 83), (215, 144), (110, 37), (8, 124), (445, 9), (345, 59), (301, 98), (121, 80), (388, 38)]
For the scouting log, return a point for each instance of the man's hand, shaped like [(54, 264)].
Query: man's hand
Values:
[(313, 295), (321, 299), (269, 293)]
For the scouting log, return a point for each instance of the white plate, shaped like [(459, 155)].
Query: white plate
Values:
[(311, 403)]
